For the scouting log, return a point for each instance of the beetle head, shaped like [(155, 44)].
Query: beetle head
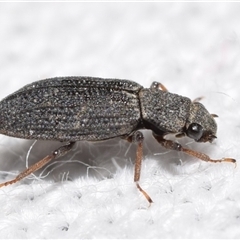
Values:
[(200, 124)]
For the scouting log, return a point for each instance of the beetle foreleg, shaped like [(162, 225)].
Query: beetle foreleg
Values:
[(178, 147), (55, 154), (138, 137)]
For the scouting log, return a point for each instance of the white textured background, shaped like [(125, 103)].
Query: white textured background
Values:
[(194, 50)]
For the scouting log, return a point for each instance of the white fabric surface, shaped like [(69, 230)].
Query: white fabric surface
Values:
[(193, 49)]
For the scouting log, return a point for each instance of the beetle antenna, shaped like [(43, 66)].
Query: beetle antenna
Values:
[(214, 115)]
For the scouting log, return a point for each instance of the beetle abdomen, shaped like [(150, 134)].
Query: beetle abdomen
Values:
[(72, 108)]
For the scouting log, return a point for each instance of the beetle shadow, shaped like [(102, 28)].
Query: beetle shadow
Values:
[(87, 159)]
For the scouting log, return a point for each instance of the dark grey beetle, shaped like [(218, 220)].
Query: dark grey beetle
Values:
[(71, 109)]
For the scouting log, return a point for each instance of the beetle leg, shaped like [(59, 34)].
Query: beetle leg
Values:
[(138, 137), (198, 99), (55, 154), (158, 85), (178, 147)]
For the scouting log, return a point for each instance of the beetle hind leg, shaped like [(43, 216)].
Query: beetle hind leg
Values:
[(54, 155)]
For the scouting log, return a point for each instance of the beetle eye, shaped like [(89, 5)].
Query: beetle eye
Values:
[(195, 131)]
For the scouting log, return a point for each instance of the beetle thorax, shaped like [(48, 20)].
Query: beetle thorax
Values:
[(164, 112)]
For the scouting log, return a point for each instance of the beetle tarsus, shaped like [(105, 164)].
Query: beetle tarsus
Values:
[(145, 194), (205, 157)]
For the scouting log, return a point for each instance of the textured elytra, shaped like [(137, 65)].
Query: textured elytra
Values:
[(71, 109)]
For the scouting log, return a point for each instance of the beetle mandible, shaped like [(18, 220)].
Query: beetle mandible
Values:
[(70, 109)]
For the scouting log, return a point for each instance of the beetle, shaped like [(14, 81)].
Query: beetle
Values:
[(70, 109)]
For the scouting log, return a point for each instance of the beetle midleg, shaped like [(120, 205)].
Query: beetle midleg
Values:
[(178, 147), (138, 137), (55, 154)]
